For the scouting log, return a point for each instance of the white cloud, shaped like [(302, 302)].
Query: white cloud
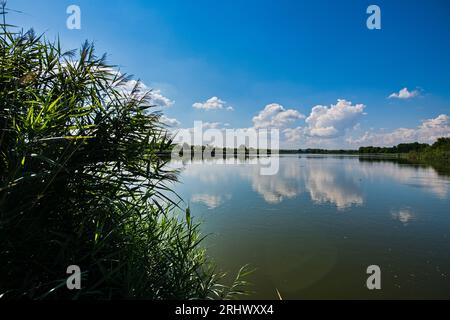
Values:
[(211, 201), (221, 135), (213, 103), (126, 87), (186, 135), (333, 121), (156, 97), (293, 134), (441, 121), (333, 184), (172, 122), (205, 126), (324, 124), (425, 178), (159, 100), (275, 116), (403, 215), (325, 182), (404, 94), (427, 132), (211, 125), (275, 188)]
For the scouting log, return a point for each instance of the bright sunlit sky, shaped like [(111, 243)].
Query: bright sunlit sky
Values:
[(309, 68)]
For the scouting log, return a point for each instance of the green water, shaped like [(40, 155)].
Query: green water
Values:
[(314, 227)]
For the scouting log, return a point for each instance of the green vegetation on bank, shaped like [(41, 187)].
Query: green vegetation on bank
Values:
[(83, 181), (401, 148), (438, 151)]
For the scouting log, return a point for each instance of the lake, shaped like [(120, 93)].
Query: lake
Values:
[(312, 229)]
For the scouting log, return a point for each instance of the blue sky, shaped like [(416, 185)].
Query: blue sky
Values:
[(273, 62)]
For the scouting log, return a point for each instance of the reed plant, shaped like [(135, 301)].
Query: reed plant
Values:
[(84, 181)]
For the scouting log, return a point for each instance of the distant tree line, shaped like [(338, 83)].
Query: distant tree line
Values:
[(325, 151), (438, 150), (401, 148)]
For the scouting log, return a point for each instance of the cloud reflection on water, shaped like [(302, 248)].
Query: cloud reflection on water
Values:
[(326, 180)]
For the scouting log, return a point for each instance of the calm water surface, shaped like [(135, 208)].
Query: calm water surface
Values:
[(312, 229)]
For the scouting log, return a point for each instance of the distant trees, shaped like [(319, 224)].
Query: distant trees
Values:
[(440, 150), (320, 151), (442, 143), (408, 147), (401, 148)]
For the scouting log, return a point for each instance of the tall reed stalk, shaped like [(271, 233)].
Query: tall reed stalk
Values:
[(84, 181)]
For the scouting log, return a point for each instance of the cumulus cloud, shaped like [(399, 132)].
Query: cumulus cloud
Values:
[(325, 125), (211, 125), (333, 184), (221, 135), (172, 122), (293, 134), (156, 97), (211, 201), (213, 103), (427, 132), (325, 182), (440, 122), (425, 178), (159, 100), (404, 94), (333, 121), (126, 87), (186, 135), (403, 215), (286, 184), (275, 116)]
